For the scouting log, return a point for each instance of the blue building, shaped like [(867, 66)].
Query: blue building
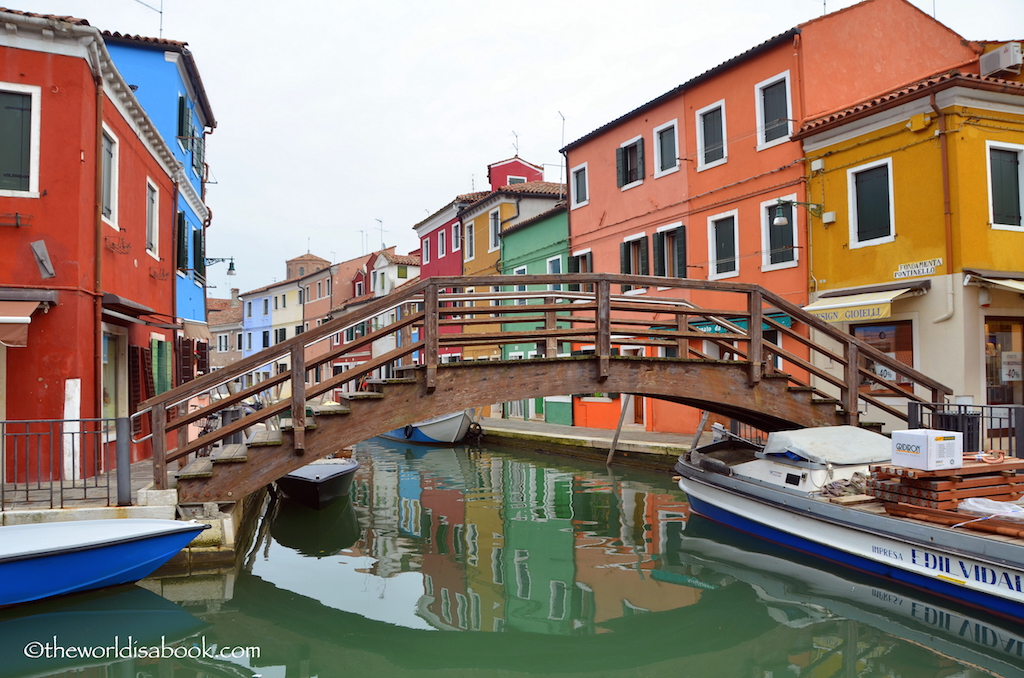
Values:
[(164, 77)]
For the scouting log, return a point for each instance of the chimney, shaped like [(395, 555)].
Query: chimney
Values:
[(235, 301)]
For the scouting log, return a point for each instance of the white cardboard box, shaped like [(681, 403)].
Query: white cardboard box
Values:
[(928, 449)]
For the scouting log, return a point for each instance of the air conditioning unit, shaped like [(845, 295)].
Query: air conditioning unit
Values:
[(1004, 58)]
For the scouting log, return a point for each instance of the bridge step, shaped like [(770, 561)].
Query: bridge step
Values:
[(232, 454), (337, 408), (265, 439), (362, 395), (286, 424), (201, 467)]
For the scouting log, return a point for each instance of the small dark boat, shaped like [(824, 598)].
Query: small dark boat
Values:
[(316, 533), (318, 484)]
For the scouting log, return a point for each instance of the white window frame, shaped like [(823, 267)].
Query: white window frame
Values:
[(456, 236), (550, 261), (519, 270), (759, 100), (509, 178), (626, 144), (670, 252), (494, 230), (699, 115), (442, 243), (223, 343), (35, 92), (851, 187), (658, 172), (767, 216), (582, 167), (712, 249), (153, 219), (114, 172), (425, 253), (469, 234), (1004, 146)]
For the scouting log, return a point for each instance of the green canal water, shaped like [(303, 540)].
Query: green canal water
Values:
[(496, 562)]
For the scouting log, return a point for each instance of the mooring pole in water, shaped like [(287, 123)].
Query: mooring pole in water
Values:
[(627, 400), (699, 433)]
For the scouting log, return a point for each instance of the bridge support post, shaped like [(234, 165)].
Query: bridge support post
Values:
[(430, 336), (755, 350), (852, 388), (603, 345), (550, 347), (158, 424), (298, 356)]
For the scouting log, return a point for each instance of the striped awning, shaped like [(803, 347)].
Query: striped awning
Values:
[(15, 317), (856, 307), (1007, 283)]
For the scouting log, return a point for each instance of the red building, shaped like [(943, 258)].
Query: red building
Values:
[(87, 208)]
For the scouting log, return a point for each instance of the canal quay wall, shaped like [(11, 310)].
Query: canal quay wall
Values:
[(636, 447)]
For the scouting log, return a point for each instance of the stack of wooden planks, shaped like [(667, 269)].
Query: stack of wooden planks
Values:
[(944, 489)]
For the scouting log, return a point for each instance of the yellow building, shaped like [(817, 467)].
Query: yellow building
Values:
[(482, 224), (916, 240)]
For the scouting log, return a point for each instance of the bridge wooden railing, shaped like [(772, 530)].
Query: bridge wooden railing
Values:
[(415, 322)]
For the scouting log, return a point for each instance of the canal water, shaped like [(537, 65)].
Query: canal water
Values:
[(499, 562)]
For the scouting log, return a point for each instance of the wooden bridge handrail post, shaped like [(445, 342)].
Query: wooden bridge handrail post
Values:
[(852, 388), (299, 397), (158, 425), (430, 335), (550, 346), (405, 334), (754, 331), (603, 343)]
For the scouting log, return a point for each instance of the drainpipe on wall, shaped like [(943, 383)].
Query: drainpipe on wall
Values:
[(98, 245), (947, 210)]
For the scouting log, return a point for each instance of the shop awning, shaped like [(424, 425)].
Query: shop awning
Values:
[(15, 317), (857, 307), (1007, 283), (714, 327), (196, 330)]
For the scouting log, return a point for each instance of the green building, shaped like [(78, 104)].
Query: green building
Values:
[(534, 247)]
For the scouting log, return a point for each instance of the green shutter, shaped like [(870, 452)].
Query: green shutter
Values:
[(574, 267), (667, 148), (181, 234), (680, 262), (620, 167), (644, 263), (1005, 187), (624, 264), (873, 218), (640, 170), (199, 254), (659, 253), (161, 357), (714, 143), (775, 109), (15, 140), (183, 118), (780, 238), (725, 245), (198, 155)]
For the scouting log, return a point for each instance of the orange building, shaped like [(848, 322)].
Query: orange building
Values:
[(688, 184)]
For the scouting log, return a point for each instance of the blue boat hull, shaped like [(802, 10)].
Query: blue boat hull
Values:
[(85, 568), (932, 585)]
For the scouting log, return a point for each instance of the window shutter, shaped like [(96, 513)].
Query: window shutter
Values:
[(108, 176), (203, 357), (780, 238), (641, 171), (1005, 187), (620, 167), (644, 264), (775, 110), (624, 263), (135, 389), (183, 119), (872, 187), (182, 237), (680, 271), (725, 245), (667, 148), (198, 154), (185, 359), (714, 144), (16, 133), (199, 254), (574, 267), (659, 253)]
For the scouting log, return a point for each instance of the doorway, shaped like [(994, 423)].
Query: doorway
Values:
[(1004, 347)]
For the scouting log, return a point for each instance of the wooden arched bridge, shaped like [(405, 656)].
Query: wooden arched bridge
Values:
[(712, 355)]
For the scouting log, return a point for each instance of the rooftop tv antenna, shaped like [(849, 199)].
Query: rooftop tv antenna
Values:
[(158, 11)]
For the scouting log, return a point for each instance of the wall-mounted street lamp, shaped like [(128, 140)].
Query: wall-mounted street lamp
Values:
[(780, 214), (208, 261)]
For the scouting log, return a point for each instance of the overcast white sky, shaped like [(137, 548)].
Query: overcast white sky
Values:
[(334, 114)]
